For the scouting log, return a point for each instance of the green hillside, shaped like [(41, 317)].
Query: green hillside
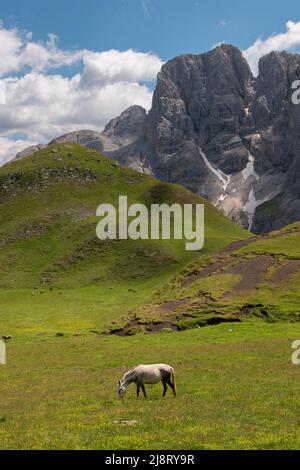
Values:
[(254, 278), (47, 221), (62, 275)]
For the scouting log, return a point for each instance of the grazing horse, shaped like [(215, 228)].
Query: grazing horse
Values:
[(148, 374)]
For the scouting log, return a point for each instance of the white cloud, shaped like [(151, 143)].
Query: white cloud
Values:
[(10, 148), (18, 51), (41, 105), (45, 106), (115, 66), (10, 43), (277, 42)]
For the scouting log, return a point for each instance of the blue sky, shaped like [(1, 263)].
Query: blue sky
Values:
[(68, 65), (166, 27)]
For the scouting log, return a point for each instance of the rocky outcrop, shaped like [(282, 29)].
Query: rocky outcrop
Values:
[(119, 132), (86, 137), (28, 152), (129, 127), (219, 131)]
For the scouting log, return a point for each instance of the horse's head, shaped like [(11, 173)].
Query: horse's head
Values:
[(121, 390)]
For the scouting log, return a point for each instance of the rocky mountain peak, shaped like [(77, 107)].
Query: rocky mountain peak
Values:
[(219, 131), (131, 122), (88, 138)]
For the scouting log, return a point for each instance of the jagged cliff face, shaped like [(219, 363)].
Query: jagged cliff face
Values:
[(219, 131), (195, 125), (229, 136)]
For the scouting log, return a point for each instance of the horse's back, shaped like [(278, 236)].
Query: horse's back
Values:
[(153, 367), (153, 373)]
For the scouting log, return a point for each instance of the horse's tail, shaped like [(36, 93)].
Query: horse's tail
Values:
[(173, 379)]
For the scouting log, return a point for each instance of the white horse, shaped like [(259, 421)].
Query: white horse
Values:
[(148, 374)]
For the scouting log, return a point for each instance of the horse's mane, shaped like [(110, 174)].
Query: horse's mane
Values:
[(128, 374)]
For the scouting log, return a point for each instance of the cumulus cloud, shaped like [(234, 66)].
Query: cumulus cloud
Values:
[(9, 147), (277, 42), (18, 51), (45, 106), (42, 102), (115, 66)]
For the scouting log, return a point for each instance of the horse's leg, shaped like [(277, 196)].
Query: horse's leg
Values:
[(144, 390), (138, 389), (165, 388), (171, 385)]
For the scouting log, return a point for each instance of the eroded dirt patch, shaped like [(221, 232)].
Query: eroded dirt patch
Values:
[(285, 272), (225, 258), (252, 272), (170, 306), (220, 262), (133, 326)]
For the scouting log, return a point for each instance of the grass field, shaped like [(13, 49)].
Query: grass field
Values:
[(237, 389)]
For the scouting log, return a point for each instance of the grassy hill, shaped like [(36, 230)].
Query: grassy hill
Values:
[(254, 278), (61, 274), (47, 221)]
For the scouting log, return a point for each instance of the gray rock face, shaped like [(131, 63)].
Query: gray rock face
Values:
[(219, 131), (277, 152), (203, 99), (123, 138), (231, 137), (119, 132), (127, 128), (28, 152), (88, 138)]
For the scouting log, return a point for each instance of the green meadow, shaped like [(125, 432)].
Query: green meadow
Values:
[(237, 387)]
